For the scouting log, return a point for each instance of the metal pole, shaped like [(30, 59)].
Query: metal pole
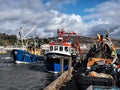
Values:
[(69, 65), (61, 65)]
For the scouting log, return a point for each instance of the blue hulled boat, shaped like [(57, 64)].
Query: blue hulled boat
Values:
[(60, 48), (30, 51), (22, 56), (53, 57)]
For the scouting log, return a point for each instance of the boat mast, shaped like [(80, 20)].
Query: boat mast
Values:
[(20, 33), (23, 37)]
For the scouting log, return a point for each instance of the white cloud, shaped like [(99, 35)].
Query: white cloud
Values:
[(108, 11), (106, 16), (19, 13), (68, 22), (26, 13), (58, 4)]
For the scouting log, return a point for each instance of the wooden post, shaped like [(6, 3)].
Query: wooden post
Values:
[(61, 65), (69, 65)]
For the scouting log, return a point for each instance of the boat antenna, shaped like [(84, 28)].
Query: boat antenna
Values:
[(107, 32), (20, 34)]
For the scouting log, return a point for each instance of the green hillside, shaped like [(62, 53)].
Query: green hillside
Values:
[(6, 40)]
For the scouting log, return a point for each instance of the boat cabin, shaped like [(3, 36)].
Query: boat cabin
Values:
[(60, 48), (64, 48)]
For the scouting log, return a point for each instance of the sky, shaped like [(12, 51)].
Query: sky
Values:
[(85, 17)]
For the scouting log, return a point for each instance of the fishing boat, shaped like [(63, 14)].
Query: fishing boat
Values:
[(26, 56), (29, 53), (60, 48)]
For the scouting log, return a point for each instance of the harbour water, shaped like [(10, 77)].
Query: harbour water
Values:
[(23, 76)]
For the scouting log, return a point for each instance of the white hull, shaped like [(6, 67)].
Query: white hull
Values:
[(20, 62), (52, 72)]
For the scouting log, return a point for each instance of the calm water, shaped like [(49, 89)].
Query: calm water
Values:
[(23, 76)]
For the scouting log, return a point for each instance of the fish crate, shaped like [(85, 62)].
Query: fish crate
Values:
[(83, 82)]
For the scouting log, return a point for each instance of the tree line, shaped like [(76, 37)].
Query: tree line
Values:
[(6, 40)]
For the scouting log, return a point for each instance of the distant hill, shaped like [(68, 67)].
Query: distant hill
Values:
[(6, 40), (88, 40)]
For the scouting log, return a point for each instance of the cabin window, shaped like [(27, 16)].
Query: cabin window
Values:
[(61, 48), (66, 49), (56, 48), (51, 48)]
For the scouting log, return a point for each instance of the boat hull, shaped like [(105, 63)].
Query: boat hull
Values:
[(53, 63), (21, 56)]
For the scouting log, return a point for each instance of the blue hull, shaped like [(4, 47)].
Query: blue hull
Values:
[(24, 57), (53, 65)]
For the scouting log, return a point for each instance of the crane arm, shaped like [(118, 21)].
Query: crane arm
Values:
[(29, 32)]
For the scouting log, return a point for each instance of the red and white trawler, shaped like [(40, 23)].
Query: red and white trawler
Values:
[(62, 47)]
